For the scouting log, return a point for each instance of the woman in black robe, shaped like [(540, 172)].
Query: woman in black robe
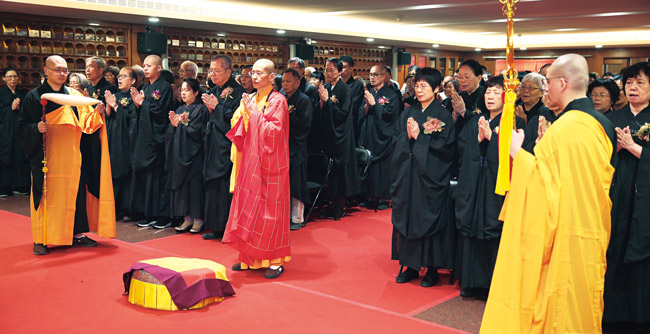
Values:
[(14, 170), (424, 144), (477, 206), (184, 146), (627, 290), (531, 91)]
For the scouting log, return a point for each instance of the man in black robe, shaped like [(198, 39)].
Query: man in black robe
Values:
[(357, 93), (120, 110), (336, 115), (150, 190), (424, 142), (300, 114), (247, 80), (381, 109), (222, 101), (139, 72), (14, 168), (393, 86)]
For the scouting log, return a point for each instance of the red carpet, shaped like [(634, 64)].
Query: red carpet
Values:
[(341, 280)]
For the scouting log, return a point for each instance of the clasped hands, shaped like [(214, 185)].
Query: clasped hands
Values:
[(412, 128), (484, 130)]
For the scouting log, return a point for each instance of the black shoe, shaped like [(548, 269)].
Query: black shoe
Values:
[(146, 223), (365, 204), (295, 226), (212, 235), (84, 241), (407, 275), (21, 193), (383, 206), (430, 279), (273, 273), (40, 249), (468, 292), (237, 267), (162, 224)]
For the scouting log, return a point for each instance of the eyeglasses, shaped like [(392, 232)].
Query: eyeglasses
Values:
[(123, 76), (372, 75), (246, 76), (551, 78), (11, 77), (601, 95), (211, 71), (522, 87), (258, 73), (61, 70), (421, 86)]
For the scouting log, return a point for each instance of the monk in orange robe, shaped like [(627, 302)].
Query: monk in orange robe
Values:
[(79, 195), (258, 226), (550, 268)]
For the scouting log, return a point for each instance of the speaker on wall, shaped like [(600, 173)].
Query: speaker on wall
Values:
[(403, 58), (304, 51), (150, 43)]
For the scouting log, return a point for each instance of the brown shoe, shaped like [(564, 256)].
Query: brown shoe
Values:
[(40, 249)]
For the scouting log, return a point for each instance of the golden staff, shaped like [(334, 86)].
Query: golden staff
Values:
[(44, 196), (508, 118)]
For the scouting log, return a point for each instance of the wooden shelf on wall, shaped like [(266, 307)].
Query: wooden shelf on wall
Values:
[(27, 41), (201, 47), (364, 57)]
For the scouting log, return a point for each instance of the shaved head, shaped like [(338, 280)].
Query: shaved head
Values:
[(265, 64), (154, 59), (263, 74), (52, 61), (574, 69)]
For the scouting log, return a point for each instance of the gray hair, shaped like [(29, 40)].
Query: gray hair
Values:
[(83, 81), (300, 62), (536, 78), (191, 64), (99, 61), (139, 71), (226, 62)]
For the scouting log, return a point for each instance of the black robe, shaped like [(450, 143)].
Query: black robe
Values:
[(627, 290), (184, 165), (117, 130), (300, 116), (339, 135), (532, 126), (377, 135), (473, 104), (31, 113), (14, 168), (357, 94), (534, 111), (422, 210), (477, 207), (217, 165), (150, 191)]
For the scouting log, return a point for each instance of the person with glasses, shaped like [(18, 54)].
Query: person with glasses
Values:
[(477, 206), (246, 80), (380, 111), (150, 191), (338, 137), (78, 82), (79, 186), (258, 226), (222, 101), (550, 267), (422, 217), (300, 117), (120, 113), (604, 93), (14, 169), (95, 69), (628, 256), (531, 90)]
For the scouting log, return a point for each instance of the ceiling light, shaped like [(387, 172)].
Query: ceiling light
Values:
[(154, 19), (94, 24), (280, 31), (370, 39), (523, 48), (613, 14), (221, 34), (565, 29), (435, 45), (313, 41), (477, 49), (381, 47), (598, 46)]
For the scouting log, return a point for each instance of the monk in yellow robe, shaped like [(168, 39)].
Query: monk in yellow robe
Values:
[(550, 267), (79, 190)]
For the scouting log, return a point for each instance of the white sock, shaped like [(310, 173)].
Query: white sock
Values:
[(275, 267)]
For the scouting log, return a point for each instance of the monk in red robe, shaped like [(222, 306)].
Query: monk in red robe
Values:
[(258, 226)]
